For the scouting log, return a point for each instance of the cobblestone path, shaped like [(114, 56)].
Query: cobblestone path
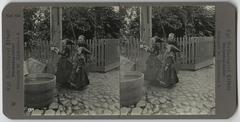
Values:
[(101, 97), (193, 95)]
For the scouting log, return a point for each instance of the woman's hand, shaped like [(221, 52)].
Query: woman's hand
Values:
[(145, 47), (54, 49)]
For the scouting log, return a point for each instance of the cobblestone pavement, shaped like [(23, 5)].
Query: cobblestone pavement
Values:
[(193, 95), (101, 97)]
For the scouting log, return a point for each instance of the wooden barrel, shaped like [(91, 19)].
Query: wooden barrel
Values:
[(131, 87), (40, 89)]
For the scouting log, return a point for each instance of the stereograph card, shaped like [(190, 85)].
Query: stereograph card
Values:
[(119, 60)]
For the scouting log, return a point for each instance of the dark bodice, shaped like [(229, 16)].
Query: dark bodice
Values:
[(65, 52)]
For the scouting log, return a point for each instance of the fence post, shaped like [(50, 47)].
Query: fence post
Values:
[(104, 52), (183, 50), (191, 50)]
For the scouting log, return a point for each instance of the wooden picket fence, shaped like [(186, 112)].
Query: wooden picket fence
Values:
[(105, 53), (130, 49), (40, 51), (196, 52)]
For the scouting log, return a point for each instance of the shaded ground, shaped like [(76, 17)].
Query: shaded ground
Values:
[(193, 95), (100, 98)]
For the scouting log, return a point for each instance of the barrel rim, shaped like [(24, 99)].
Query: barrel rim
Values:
[(141, 76), (52, 76)]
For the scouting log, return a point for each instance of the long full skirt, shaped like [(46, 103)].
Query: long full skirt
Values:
[(79, 79), (167, 74), (64, 70), (161, 72)]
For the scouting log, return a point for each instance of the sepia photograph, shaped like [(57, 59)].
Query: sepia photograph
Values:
[(71, 61), (119, 60), (167, 62)]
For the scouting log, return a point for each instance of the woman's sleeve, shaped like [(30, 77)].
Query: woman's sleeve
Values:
[(87, 48), (174, 48)]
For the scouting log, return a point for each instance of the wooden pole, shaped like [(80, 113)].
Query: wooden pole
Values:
[(55, 36), (145, 24)]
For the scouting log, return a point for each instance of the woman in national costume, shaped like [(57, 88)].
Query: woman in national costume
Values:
[(79, 76), (161, 63)]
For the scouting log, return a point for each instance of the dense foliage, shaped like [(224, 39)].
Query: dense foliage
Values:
[(131, 22), (115, 22), (36, 25), (184, 20), (92, 22)]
